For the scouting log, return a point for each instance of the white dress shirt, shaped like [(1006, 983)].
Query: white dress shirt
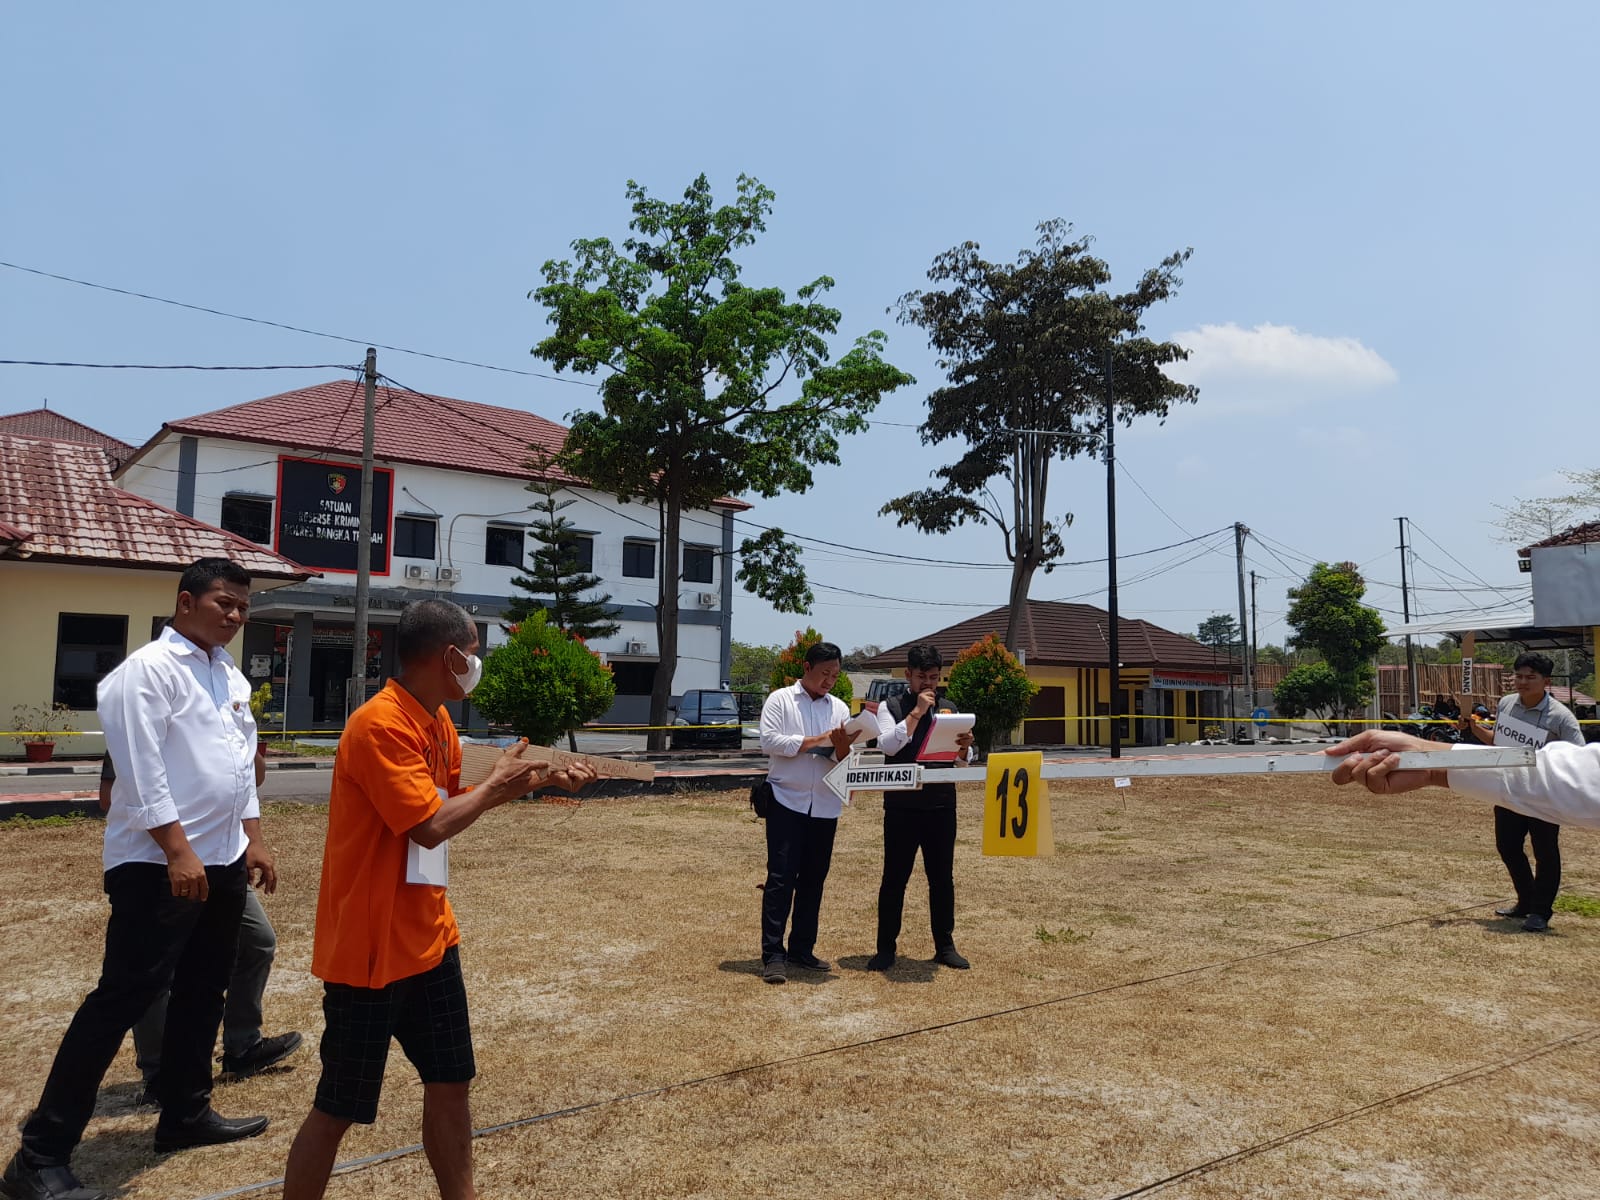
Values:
[(1562, 786), (788, 717), (183, 743)]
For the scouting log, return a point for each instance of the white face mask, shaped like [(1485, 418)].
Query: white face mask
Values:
[(468, 679)]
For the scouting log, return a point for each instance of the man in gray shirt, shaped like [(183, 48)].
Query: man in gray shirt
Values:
[(1530, 717)]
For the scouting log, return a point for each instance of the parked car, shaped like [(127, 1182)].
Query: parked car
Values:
[(716, 712), (879, 691)]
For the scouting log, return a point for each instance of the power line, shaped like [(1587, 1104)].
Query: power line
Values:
[(217, 312), (30, 362)]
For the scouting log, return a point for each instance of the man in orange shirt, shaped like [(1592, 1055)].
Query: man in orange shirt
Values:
[(386, 944)]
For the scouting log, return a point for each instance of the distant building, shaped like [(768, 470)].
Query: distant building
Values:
[(89, 572), (1172, 684), (49, 424), (451, 518)]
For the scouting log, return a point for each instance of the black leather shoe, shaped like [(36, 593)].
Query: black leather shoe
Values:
[(810, 962), (210, 1130), (1513, 911), (880, 961), (267, 1052), (22, 1182), (1536, 924), (951, 957), (773, 971)]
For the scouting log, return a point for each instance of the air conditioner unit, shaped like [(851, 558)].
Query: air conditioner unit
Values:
[(707, 599), (637, 648), (416, 571), (448, 574)]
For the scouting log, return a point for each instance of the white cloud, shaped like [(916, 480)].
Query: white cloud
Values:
[(1278, 355)]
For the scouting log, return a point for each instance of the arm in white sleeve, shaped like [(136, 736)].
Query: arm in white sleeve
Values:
[(781, 736), (1562, 786), (894, 741), (135, 713)]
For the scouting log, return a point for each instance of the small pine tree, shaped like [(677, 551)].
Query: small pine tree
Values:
[(556, 582), (987, 681), (791, 665)]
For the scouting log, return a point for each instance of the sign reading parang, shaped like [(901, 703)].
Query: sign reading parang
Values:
[(319, 514)]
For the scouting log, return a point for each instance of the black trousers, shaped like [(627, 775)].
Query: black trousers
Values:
[(1536, 893), (153, 941), (799, 852), (905, 831)]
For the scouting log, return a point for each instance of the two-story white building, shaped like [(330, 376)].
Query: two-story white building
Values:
[(452, 517)]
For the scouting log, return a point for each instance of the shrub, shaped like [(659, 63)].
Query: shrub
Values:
[(543, 682), (987, 681)]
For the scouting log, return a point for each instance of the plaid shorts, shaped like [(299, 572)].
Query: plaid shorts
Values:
[(426, 1014)]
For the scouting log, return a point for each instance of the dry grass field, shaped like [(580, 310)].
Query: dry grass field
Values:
[(1255, 981)]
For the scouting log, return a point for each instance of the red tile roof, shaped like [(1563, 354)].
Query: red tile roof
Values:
[(409, 427), (1066, 635), (46, 423), (1578, 535), (57, 503)]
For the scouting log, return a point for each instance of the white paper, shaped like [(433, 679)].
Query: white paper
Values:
[(870, 725), (1123, 781), (429, 867), (947, 727)]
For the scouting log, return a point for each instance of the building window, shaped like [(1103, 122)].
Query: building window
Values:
[(248, 516), (639, 560), (503, 546), (583, 548), (697, 564), (414, 537), (88, 648)]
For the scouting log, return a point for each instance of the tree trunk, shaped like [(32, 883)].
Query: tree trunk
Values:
[(666, 619)]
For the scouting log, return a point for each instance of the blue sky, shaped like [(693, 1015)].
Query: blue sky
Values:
[(1391, 209)]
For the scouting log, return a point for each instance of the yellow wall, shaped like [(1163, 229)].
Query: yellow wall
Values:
[(1096, 689), (33, 595)]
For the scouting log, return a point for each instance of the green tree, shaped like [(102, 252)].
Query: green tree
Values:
[(1326, 615), (1313, 688), (556, 580), (712, 388), (752, 666), (1026, 348), (1219, 631), (1271, 654), (791, 664), (987, 681), (543, 682)]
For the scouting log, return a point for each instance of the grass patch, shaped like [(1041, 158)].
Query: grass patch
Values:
[(58, 821), (1061, 937), (1581, 906)]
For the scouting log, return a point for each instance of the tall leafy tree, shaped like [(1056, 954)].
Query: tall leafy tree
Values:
[(711, 387), (1219, 631), (1026, 347), (1327, 615), (556, 581)]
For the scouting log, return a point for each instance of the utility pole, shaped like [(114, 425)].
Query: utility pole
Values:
[(1405, 612), (1254, 621), (1244, 650), (356, 693), (1111, 562)]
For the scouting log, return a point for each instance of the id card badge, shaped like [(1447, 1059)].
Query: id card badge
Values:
[(430, 868)]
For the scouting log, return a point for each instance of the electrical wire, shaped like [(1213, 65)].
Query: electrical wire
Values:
[(217, 312), (30, 362)]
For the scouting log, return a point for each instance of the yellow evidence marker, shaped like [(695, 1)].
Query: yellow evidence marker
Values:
[(1016, 806)]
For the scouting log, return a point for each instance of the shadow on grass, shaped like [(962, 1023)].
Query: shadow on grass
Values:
[(112, 1159), (1497, 925), (905, 970)]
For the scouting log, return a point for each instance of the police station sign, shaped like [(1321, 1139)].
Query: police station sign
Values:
[(319, 514)]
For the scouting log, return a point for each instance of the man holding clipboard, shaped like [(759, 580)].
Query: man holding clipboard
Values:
[(923, 819)]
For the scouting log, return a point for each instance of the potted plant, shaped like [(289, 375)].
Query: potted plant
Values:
[(37, 724)]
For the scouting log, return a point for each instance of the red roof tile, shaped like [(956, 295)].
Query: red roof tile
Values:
[(408, 427), (1066, 635), (46, 423), (1578, 535), (59, 498)]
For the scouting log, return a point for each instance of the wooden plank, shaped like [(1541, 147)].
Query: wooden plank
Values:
[(477, 761)]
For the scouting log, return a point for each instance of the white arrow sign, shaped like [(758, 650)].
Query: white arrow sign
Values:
[(849, 777)]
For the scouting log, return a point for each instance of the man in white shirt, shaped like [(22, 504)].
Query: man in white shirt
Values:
[(1530, 717), (182, 842), (802, 734)]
